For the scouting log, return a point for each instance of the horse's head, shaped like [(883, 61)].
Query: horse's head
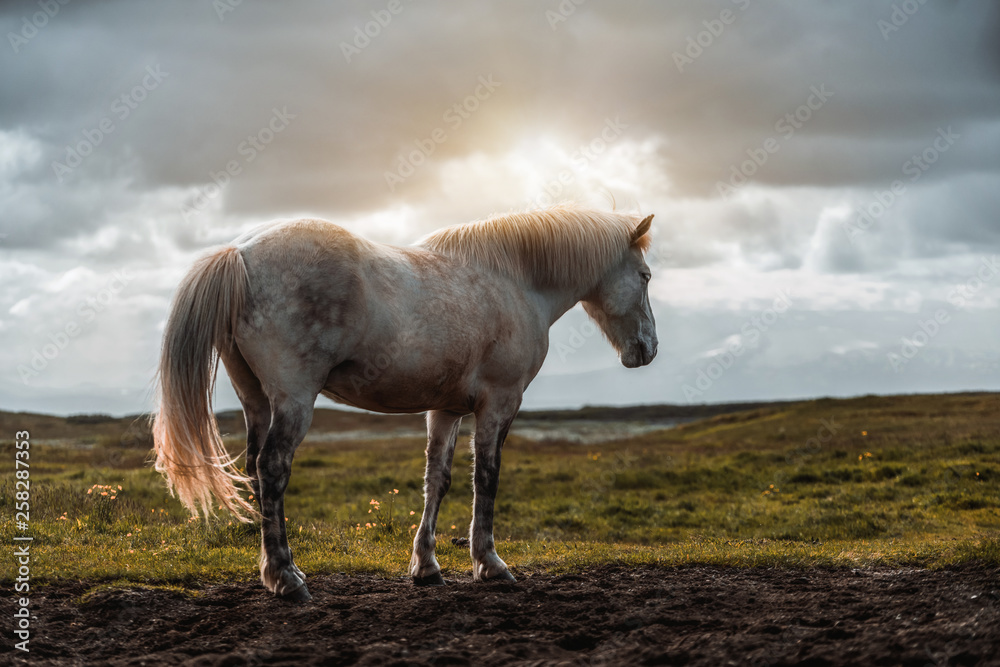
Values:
[(620, 304)]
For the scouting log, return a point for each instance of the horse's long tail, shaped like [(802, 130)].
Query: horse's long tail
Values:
[(189, 449)]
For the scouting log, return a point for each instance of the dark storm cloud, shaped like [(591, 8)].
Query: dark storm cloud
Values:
[(353, 119)]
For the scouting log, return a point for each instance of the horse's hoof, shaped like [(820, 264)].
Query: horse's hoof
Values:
[(430, 580), (504, 576), (300, 594)]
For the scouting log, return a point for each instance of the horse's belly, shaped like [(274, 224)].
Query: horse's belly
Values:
[(377, 387), (387, 405)]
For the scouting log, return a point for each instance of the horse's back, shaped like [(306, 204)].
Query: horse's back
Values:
[(294, 241)]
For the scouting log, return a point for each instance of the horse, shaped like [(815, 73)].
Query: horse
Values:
[(456, 324)]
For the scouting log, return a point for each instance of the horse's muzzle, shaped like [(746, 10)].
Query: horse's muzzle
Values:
[(639, 354)]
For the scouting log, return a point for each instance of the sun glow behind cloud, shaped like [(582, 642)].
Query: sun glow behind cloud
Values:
[(546, 168)]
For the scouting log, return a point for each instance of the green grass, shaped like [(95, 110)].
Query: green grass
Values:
[(922, 488)]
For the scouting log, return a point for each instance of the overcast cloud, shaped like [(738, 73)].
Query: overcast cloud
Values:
[(836, 161)]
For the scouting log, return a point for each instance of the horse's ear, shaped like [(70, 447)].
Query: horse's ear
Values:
[(643, 228)]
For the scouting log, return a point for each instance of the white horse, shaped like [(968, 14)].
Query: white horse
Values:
[(455, 325)]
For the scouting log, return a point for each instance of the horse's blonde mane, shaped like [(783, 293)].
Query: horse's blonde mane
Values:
[(557, 246)]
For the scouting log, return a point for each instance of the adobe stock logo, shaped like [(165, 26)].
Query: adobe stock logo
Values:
[(408, 163), (928, 329), (122, 107), (577, 339), (562, 12), (29, 28), (87, 310), (915, 167), (249, 150), (364, 34), (580, 161), (900, 16), (697, 44), (750, 333), (786, 127)]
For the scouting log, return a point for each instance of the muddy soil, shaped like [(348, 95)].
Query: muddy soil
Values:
[(604, 616)]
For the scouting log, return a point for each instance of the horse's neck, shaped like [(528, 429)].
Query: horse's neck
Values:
[(554, 303)]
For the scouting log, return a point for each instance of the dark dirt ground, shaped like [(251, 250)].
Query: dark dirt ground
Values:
[(605, 616)]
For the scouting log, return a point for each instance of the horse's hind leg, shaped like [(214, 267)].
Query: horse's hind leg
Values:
[(256, 412), (256, 408), (290, 421), (442, 432)]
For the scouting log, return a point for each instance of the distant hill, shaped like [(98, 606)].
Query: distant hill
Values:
[(133, 430)]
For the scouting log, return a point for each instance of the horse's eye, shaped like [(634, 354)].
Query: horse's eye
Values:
[(646, 276)]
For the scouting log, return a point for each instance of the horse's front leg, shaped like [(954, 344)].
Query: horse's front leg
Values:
[(492, 423), (442, 432), (274, 466)]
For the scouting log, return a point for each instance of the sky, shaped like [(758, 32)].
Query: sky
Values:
[(825, 176)]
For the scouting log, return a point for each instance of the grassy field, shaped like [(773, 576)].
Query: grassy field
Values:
[(870, 481)]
